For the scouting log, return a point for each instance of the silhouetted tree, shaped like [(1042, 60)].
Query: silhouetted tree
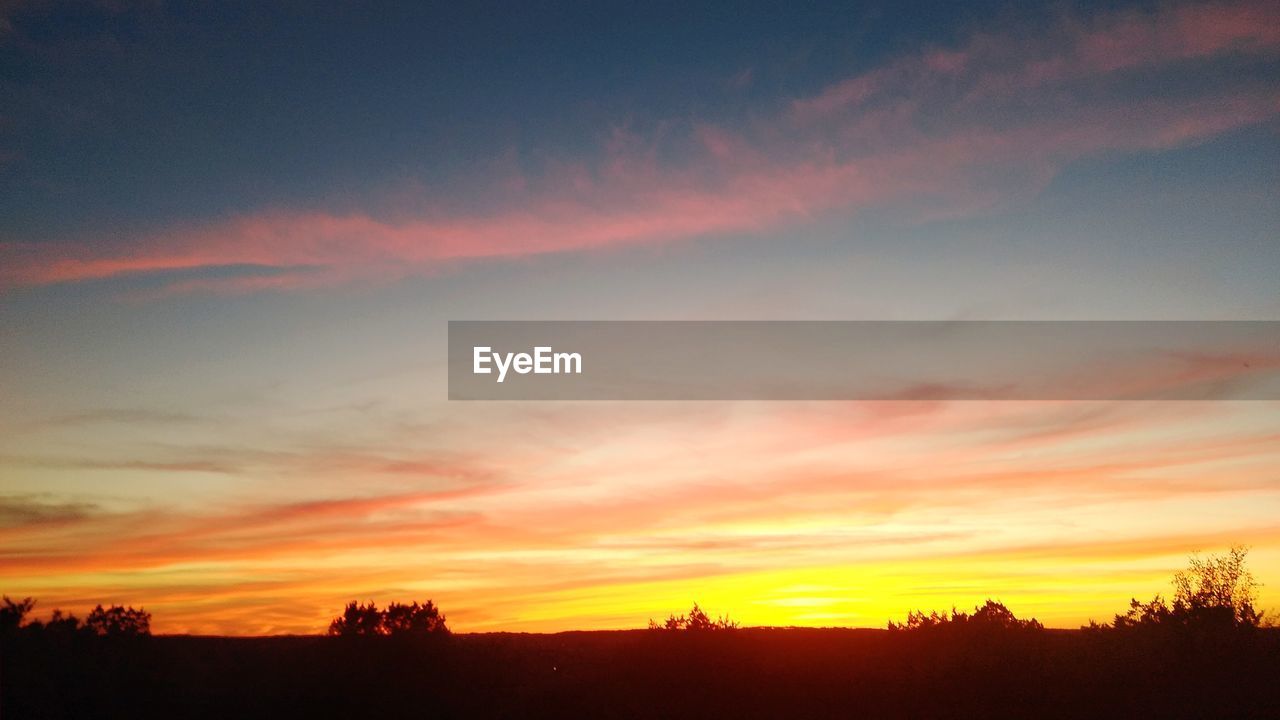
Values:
[(991, 615), (358, 619), (12, 614), (918, 620), (995, 615), (1216, 592), (66, 624), (118, 621), (415, 619), (58, 623), (697, 620), (397, 619)]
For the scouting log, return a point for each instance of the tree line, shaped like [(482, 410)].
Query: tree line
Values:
[(397, 619), (1213, 594), (113, 621)]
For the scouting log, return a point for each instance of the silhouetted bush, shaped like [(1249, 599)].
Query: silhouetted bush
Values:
[(118, 621), (397, 619), (358, 619), (68, 624), (1212, 594), (13, 619), (986, 663), (415, 619), (990, 616), (697, 620), (13, 613)]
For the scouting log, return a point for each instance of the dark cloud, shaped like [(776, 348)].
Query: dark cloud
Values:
[(25, 510)]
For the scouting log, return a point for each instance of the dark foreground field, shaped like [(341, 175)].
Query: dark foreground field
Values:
[(744, 673)]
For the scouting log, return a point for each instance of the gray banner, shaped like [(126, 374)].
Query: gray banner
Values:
[(857, 360)]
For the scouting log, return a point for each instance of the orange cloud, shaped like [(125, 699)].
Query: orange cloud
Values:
[(631, 520)]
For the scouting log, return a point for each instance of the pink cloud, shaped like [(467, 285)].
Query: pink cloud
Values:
[(915, 133)]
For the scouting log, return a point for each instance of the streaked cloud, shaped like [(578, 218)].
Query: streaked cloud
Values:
[(942, 132), (817, 490)]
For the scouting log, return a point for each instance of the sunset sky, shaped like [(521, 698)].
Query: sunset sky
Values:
[(231, 237)]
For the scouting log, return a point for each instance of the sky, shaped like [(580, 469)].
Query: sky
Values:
[(231, 238)]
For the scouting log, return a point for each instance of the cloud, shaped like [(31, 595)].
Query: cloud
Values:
[(123, 416), (1008, 64), (592, 525), (17, 511), (167, 467), (938, 133)]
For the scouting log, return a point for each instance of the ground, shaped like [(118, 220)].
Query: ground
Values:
[(633, 674)]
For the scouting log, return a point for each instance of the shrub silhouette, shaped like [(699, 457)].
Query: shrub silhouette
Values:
[(991, 615), (358, 619), (397, 619), (66, 624), (1213, 593), (117, 621), (415, 619), (696, 621), (13, 613)]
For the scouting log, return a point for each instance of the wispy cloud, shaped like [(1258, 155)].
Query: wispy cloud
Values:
[(17, 511), (942, 132), (633, 517)]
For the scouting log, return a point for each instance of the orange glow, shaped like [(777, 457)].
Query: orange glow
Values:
[(778, 514)]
